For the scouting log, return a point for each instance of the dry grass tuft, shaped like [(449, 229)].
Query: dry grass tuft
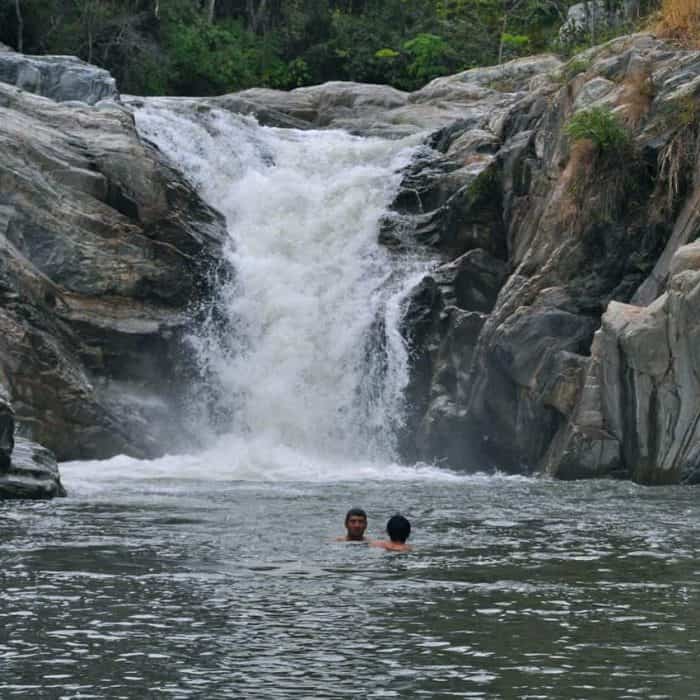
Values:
[(680, 20), (674, 161), (579, 172), (598, 187), (637, 95), (582, 159), (678, 157)]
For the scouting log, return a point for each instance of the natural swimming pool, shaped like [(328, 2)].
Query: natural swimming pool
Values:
[(165, 586)]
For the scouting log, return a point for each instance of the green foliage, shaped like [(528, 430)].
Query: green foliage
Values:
[(285, 43), (515, 45), (223, 57), (687, 112), (574, 67), (601, 127), (429, 56), (298, 73)]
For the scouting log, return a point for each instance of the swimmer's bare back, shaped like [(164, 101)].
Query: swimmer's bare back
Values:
[(391, 546)]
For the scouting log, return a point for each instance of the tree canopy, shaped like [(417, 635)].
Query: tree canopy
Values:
[(202, 47)]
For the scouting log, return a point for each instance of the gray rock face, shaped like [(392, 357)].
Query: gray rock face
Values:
[(638, 413), (586, 18), (106, 255), (32, 474), (505, 370), (538, 396), (62, 78), (7, 429), (381, 110)]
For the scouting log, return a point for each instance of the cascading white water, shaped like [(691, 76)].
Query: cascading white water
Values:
[(319, 366)]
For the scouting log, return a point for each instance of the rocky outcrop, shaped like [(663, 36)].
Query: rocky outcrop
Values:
[(580, 235), (466, 98), (586, 19), (27, 470), (637, 414), (32, 473), (62, 78), (107, 257)]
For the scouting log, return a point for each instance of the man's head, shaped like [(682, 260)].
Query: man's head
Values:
[(398, 528), (356, 523)]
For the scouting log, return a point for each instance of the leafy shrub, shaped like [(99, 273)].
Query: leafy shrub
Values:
[(430, 56), (601, 127), (515, 45), (298, 73), (223, 57)]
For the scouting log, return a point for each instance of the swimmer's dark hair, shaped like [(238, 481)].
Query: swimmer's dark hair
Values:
[(357, 512), (398, 528)]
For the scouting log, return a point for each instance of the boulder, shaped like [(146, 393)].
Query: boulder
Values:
[(585, 19), (108, 257), (32, 474), (61, 78)]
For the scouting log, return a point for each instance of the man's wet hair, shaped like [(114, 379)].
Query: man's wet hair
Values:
[(398, 528), (355, 512)]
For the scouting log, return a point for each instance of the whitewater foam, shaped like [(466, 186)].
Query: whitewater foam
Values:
[(315, 373)]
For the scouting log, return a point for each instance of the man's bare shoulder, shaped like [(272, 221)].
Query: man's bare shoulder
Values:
[(391, 546)]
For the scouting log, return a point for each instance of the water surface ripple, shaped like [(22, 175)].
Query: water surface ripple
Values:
[(186, 588)]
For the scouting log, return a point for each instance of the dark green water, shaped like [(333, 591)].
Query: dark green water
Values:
[(192, 589)]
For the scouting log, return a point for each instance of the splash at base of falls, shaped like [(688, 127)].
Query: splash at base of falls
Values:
[(315, 371), (235, 458)]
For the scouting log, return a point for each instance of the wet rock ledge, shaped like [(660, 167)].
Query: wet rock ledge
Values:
[(27, 470)]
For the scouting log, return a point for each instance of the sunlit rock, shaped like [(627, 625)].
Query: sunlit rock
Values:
[(108, 256), (62, 78)]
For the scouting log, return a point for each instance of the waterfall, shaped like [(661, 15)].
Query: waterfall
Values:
[(317, 367)]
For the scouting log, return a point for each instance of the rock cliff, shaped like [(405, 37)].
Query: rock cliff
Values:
[(108, 257), (577, 367)]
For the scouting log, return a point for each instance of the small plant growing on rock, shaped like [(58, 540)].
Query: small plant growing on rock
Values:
[(574, 67), (601, 165), (602, 128)]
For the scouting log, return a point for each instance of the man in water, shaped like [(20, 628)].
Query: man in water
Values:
[(355, 524), (398, 528)]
